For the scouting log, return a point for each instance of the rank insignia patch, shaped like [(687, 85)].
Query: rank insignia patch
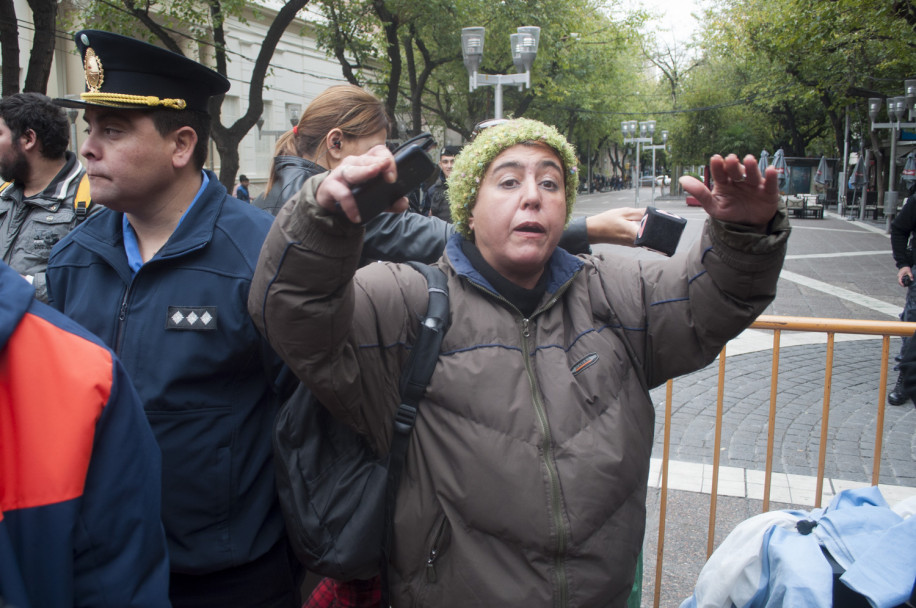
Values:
[(194, 318)]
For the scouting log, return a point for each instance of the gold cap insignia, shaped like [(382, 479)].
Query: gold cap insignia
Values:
[(95, 75)]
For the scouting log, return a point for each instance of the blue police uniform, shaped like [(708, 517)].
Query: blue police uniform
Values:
[(203, 372), (209, 383)]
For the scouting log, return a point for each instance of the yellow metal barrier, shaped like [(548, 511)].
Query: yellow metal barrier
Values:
[(830, 327)]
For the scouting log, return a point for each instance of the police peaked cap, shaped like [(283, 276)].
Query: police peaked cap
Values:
[(123, 72)]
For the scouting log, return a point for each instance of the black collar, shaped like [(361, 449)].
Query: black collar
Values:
[(525, 300)]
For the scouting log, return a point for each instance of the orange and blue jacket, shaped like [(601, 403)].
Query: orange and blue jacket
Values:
[(80, 472)]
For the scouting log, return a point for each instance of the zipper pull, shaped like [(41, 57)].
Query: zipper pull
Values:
[(525, 331), (431, 567)]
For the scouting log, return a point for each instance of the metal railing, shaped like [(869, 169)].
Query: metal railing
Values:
[(831, 327)]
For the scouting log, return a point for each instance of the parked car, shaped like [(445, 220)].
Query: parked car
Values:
[(661, 180)]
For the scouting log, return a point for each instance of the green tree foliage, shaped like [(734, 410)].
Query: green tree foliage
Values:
[(420, 70), (587, 68), (715, 119), (803, 62), (766, 73), (591, 84)]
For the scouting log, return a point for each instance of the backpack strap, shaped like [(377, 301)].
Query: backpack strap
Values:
[(419, 369), (5, 185), (82, 200)]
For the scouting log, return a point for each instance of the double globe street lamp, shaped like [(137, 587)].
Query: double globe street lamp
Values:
[(899, 110), (646, 131), (524, 48)]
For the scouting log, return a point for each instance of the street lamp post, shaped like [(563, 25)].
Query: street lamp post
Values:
[(654, 148), (630, 128), (524, 47), (898, 109), (72, 115)]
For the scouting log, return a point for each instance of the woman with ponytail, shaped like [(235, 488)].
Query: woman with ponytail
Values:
[(341, 121)]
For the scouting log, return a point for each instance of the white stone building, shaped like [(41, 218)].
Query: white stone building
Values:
[(299, 72)]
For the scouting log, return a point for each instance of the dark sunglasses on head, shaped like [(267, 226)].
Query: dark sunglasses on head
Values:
[(423, 140), (486, 124)]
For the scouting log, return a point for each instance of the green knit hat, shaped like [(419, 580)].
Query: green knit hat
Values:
[(472, 163)]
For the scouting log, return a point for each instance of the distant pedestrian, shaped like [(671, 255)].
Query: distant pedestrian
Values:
[(241, 191), (437, 195)]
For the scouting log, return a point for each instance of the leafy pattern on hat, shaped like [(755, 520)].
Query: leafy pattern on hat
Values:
[(472, 163)]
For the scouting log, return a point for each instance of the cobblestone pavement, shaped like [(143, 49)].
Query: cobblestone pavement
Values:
[(799, 406), (835, 268)]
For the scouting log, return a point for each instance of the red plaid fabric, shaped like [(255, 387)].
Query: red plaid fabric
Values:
[(329, 593)]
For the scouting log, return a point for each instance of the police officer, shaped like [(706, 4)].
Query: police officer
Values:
[(162, 275), (902, 229)]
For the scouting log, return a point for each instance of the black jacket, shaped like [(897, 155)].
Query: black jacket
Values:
[(291, 173), (901, 228)]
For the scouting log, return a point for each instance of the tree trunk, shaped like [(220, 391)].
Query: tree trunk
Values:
[(9, 48), (416, 91), (227, 139), (228, 161), (44, 16), (390, 25)]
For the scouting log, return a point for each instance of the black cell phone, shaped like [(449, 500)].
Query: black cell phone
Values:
[(660, 231), (375, 196)]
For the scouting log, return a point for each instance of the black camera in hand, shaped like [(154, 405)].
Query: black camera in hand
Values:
[(660, 231), (907, 280), (414, 168)]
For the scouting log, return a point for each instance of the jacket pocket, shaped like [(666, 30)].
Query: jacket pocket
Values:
[(197, 483), (40, 232), (436, 549), (437, 582)]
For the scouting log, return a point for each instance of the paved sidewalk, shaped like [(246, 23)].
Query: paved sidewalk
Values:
[(835, 268), (799, 406)]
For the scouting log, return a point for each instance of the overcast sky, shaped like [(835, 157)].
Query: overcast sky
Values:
[(674, 17)]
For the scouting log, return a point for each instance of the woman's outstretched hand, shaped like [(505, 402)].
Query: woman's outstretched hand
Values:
[(740, 195)]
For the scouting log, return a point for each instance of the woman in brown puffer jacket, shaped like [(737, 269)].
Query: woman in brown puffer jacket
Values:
[(526, 474)]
